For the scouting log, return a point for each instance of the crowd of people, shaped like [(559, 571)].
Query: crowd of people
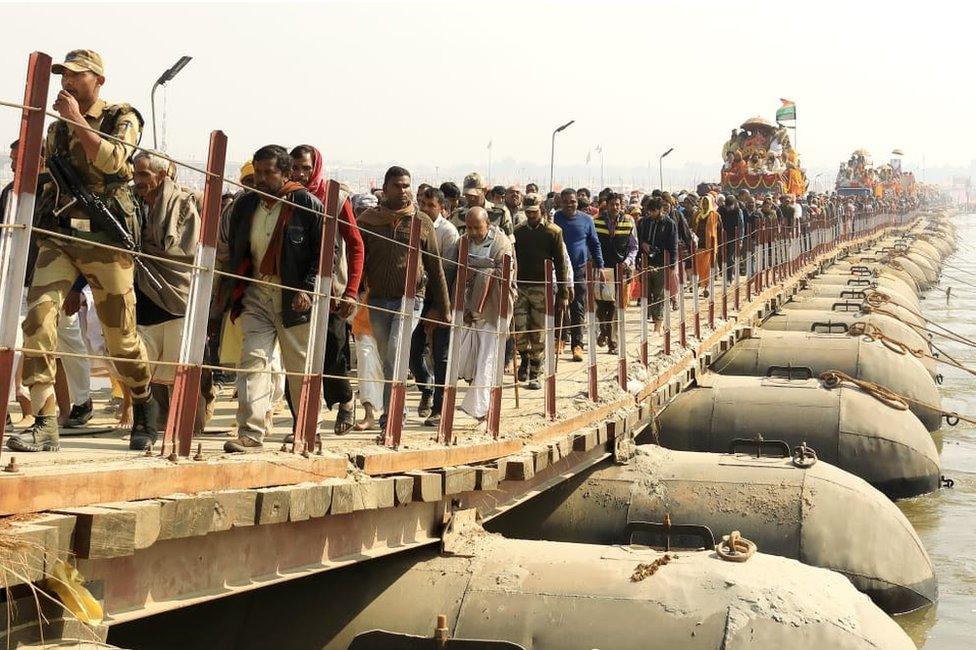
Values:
[(269, 242)]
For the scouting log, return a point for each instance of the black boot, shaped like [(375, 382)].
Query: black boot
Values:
[(80, 415), (40, 436), (523, 369), (144, 416)]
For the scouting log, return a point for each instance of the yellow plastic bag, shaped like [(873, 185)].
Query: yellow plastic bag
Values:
[(231, 342), (68, 585)]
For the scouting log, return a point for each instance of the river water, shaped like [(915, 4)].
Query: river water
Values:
[(946, 520)]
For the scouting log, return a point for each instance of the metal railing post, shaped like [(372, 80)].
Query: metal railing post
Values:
[(550, 396), (504, 292), (445, 430), (645, 287), (309, 405), (591, 327), (621, 326), (398, 391), (181, 419), (18, 219)]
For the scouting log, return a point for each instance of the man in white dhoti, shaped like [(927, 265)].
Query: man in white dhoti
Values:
[(487, 246)]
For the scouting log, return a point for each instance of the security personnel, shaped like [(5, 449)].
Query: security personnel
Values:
[(617, 234), (474, 196), (103, 165), (535, 242)]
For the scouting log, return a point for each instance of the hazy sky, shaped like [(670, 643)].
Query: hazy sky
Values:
[(420, 83)]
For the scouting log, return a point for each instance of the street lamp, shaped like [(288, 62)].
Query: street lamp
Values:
[(552, 153), (163, 79), (660, 167)]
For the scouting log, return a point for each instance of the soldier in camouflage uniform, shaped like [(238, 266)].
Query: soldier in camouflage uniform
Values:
[(104, 166), (535, 242), (474, 195)]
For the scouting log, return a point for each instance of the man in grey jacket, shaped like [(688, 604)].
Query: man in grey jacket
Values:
[(170, 230), (487, 246)]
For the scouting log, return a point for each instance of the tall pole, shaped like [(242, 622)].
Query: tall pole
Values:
[(552, 153), (600, 149), (660, 167), (164, 78)]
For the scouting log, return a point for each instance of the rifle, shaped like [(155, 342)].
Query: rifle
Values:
[(66, 180)]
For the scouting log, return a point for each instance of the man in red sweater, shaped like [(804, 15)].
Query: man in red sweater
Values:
[(308, 169)]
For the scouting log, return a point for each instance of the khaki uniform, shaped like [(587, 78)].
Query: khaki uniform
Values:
[(530, 321), (108, 272)]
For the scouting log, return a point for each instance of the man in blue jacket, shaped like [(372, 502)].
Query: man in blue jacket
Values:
[(583, 245)]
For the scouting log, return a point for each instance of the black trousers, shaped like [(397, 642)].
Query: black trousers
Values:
[(440, 340), (335, 389), (574, 321)]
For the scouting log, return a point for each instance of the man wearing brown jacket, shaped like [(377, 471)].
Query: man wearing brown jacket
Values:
[(386, 235)]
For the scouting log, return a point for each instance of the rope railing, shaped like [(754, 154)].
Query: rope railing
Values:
[(780, 250)]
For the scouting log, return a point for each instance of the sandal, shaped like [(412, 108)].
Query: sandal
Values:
[(345, 421)]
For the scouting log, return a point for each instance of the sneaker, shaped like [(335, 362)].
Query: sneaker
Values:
[(523, 370), (40, 436), (242, 444), (424, 409), (433, 421), (534, 384), (144, 417), (601, 340), (80, 415), (612, 348), (577, 353)]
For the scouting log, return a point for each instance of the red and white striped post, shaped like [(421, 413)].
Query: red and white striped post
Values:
[(645, 288), (550, 396), (398, 391), (18, 218), (445, 430), (180, 420), (591, 327), (682, 324), (621, 326), (504, 293), (735, 273), (307, 420), (750, 262), (666, 308), (696, 307)]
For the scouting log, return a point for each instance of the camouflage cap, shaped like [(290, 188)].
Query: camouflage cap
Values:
[(473, 183), (81, 61), (532, 202)]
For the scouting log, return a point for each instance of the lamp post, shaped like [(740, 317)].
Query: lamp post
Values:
[(163, 79), (552, 153), (660, 167), (599, 150)]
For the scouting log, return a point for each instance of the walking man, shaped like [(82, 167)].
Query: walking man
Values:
[(103, 167), (386, 234), (618, 245), (309, 170), (170, 230), (277, 243), (487, 247), (583, 245), (535, 242)]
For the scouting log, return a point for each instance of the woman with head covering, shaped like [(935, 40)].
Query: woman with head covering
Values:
[(705, 227)]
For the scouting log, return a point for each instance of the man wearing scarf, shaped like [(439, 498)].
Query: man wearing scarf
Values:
[(386, 234), (307, 169), (170, 230), (484, 290), (275, 240)]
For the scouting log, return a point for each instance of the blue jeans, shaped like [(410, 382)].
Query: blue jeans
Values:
[(419, 366), (386, 331)]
